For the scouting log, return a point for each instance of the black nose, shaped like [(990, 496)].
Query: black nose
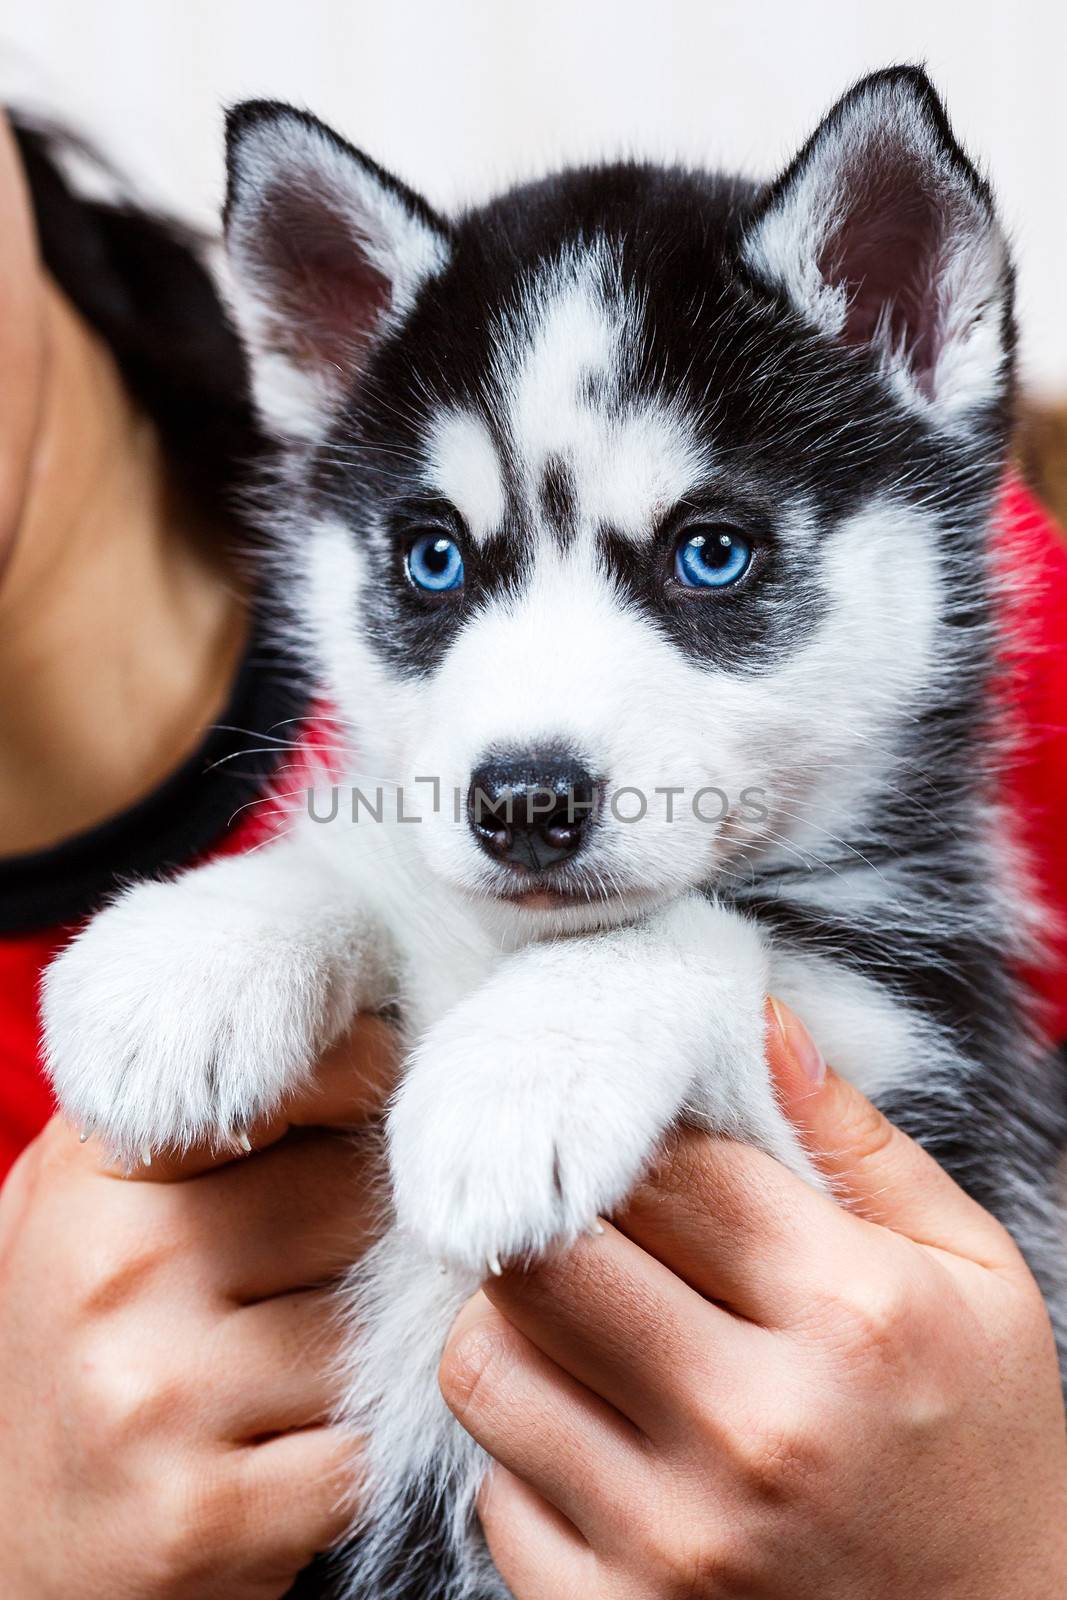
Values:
[(531, 810)]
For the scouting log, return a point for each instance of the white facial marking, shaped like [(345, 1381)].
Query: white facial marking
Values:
[(884, 585), (575, 339), (629, 459), (636, 468), (464, 467), (821, 729)]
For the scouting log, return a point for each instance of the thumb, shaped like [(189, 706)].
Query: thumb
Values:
[(873, 1167)]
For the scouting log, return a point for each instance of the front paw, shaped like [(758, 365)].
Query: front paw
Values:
[(505, 1137), (179, 1016)]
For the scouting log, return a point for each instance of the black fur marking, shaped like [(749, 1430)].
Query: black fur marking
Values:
[(749, 626), (595, 392), (424, 1568), (558, 498), (956, 982)]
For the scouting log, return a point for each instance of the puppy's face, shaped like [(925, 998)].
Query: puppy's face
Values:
[(634, 512)]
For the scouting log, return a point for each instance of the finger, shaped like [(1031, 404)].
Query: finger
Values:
[(537, 1552), (287, 1352), (627, 1328), (295, 1217), (875, 1168), (739, 1228), (351, 1084), (298, 1494), (353, 1080), (537, 1421)]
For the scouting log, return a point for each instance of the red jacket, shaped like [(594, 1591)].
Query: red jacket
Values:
[(1036, 790)]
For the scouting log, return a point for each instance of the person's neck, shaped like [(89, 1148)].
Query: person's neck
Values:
[(118, 634)]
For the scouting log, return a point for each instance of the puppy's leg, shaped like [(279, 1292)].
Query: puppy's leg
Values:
[(536, 1103), (187, 1009), (419, 1470), (530, 1108)]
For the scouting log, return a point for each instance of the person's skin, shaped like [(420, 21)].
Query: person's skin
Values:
[(744, 1388), (164, 1343), (166, 1355), (118, 633)]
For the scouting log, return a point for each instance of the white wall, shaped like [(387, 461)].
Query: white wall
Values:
[(457, 94)]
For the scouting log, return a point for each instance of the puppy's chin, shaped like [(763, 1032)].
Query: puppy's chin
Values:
[(542, 915), (538, 909)]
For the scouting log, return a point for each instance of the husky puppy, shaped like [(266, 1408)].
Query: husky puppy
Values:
[(638, 526)]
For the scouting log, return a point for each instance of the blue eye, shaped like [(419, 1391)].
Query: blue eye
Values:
[(435, 563), (711, 558)]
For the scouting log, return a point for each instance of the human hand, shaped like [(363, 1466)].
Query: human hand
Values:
[(743, 1388), (166, 1350)]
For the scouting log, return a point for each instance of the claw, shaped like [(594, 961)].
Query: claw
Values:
[(146, 1156), (244, 1141), (494, 1266), (84, 1135), (595, 1227)]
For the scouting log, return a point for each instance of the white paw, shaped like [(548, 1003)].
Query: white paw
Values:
[(509, 1135), (180, 1015)]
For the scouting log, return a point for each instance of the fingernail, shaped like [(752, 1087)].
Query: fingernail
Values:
[(799, 1042)]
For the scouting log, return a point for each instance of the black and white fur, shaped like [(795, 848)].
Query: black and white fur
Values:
[(561, 379)]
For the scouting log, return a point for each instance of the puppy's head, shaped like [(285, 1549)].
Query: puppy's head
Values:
[(636, 517)]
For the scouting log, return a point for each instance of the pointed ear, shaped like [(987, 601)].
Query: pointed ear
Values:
[(326, 251), (881, 233)]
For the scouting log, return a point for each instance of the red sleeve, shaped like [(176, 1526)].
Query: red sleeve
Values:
[(1035, 567), (25, 1097)]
